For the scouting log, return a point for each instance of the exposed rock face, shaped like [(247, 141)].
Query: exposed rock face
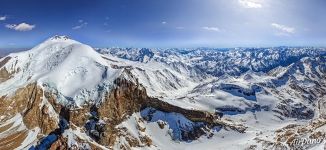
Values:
[(289, 137), (60, 144), (4, 61), (28, 102), (288, 108), (4, 73), (36, 114), (13, 141), (122, 101), (322, 109)]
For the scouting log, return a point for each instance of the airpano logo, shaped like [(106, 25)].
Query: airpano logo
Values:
[(306, 141)]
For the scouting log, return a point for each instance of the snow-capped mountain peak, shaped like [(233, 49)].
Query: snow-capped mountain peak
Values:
[(61, 64)]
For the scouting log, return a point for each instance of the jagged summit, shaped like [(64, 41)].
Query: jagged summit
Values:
[(59, 37)]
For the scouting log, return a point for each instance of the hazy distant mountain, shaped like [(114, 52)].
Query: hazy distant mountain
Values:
[(6, 51), (64, 94)]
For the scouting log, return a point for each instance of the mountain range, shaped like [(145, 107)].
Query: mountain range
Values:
[(63, 94)]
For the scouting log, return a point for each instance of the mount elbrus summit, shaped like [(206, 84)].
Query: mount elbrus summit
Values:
[(63, 94)]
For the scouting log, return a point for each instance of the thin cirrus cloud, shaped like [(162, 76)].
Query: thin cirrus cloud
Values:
[(20, 27), (283, 29), (82, 24), (3, 18), (250, 3), (215, 29)]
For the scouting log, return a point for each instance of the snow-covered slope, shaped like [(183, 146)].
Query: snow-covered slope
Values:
[(75, 70)]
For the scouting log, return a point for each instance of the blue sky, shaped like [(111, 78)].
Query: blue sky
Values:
[(165, 23)]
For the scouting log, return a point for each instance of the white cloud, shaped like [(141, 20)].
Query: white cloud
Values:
[(82, 24), (251, 3), (216, 29), (3, 18), (283, 29), (21, 27), (164, 22)]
